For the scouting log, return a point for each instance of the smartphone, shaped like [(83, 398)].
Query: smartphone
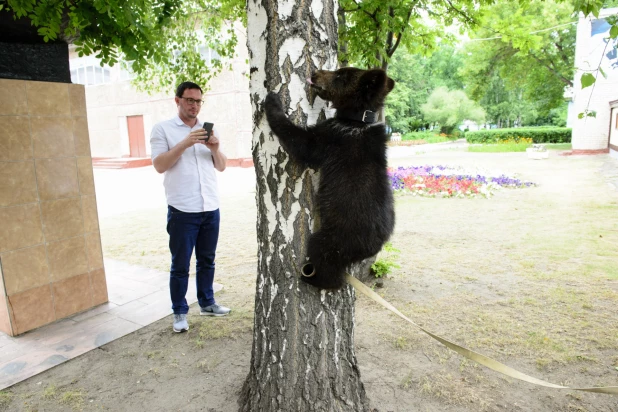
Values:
[(208, 127)]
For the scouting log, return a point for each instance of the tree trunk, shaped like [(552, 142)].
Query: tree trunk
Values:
[(343, 46), (303, 355)]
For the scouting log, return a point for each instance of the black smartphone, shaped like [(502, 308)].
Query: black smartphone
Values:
[(208, 127)]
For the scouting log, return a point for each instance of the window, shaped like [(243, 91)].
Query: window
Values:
[(88, 72), (126, 73), (208, 54)]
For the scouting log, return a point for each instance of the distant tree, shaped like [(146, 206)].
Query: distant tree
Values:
[(416, 77), (450, 108), (506, 107), (522, 54)]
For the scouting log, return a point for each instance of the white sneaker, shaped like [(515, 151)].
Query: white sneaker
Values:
[(215, 310), (180, 322)]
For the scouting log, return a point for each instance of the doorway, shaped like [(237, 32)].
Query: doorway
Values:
[(137, 141)]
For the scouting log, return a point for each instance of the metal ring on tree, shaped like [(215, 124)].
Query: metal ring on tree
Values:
[(308, 267)]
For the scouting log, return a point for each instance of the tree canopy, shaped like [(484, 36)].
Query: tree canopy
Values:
[(371, 31), (527, 44), (159, 39)]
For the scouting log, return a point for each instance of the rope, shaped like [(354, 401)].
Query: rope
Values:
[(470, 354)]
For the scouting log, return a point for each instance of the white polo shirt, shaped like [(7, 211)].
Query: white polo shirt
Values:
[(191, 183)]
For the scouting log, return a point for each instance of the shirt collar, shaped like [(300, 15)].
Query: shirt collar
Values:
[(179, 121)]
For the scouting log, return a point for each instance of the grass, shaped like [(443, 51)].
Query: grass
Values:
[(157, 354), (453, 391), (559, 146), (208, 365), (401, 343), (499, 148), (513, 147), (50, 392), (209, 328), (554, 310), (6, 397), (537, 297), (73, 399), (427, 137)]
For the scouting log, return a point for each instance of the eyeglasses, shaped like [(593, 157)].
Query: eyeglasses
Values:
[(193, 101)]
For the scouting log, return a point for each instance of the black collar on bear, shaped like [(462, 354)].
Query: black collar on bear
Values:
[(365, 116)]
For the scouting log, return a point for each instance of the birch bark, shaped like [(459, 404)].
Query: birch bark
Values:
[(303, 355)]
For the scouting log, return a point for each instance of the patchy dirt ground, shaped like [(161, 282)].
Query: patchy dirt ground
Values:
[(529, 277)]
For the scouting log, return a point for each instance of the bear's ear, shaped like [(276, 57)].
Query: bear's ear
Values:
[(390, 84), (373, 79), (376, 80)]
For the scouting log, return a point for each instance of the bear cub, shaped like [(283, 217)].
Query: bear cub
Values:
[(354, 197)]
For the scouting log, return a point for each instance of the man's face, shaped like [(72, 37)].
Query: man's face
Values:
[(185, 108)]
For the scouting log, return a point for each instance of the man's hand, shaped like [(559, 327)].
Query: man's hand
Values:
[(196, 136), (212, 143)]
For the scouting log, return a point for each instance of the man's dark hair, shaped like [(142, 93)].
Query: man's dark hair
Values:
[(187, 85)]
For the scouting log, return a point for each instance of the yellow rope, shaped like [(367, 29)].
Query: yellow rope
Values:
[(470, 354)]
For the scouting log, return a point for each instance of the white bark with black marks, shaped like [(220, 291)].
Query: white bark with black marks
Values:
[(303, 355)]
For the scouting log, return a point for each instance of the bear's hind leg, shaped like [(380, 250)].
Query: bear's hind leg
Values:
[(325, 269)]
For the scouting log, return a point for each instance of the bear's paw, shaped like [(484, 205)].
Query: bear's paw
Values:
[(273, 102)]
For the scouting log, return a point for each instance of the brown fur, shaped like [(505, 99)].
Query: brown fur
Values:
[(354, 199)]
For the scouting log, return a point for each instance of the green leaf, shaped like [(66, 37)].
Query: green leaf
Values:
[(580, 116), (602, 72), (613, 32), (591, 113), (587, 80)]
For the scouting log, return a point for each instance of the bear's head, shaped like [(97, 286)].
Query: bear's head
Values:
[(351, 88)]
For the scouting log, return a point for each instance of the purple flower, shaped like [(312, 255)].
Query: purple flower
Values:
[(457, 176)]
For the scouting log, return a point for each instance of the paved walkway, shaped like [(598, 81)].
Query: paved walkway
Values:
[(137, 297)]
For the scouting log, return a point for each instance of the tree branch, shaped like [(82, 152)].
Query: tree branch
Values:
[(563, 55), (552, 70), (390, 51), (466, 17)]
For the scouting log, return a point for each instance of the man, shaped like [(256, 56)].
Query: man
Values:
[(182, 150)]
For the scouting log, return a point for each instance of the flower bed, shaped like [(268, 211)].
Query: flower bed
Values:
[(444, 181)]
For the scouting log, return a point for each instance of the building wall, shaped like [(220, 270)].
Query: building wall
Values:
[(226, 104), (613, 129), (591, 134), (51, 263)]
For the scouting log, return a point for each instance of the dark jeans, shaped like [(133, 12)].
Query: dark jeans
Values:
[(189, 231)]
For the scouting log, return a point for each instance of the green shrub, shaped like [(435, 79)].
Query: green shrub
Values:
[(537, 134), (386, 261)]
